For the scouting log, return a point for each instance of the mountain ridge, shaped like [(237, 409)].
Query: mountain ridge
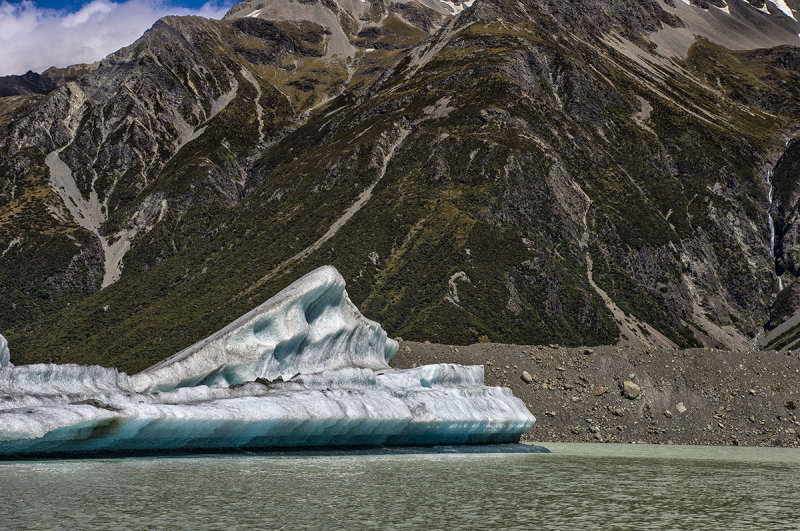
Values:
[(486, 178)]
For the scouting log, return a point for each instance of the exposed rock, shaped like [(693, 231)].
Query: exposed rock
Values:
[(630, 390)]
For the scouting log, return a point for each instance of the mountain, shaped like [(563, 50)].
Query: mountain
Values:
[(34, 83), (575, 172)]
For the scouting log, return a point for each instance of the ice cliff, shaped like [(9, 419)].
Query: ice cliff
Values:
[(303, 369), (5, 355)]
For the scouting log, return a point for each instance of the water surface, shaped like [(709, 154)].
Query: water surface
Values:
[(576, 486)]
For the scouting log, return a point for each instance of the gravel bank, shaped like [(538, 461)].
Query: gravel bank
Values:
[(694, 396)]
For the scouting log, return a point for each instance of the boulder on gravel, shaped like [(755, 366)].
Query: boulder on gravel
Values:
[(630, 390)]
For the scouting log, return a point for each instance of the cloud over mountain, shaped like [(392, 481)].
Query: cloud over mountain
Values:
[(35, 38)]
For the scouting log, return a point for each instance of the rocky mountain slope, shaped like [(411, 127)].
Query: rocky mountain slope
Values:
[(536, 172)]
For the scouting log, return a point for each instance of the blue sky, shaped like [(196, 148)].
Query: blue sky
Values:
[(74, 5), (37, 34)]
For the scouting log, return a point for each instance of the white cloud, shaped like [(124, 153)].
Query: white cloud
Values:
[(34, 38)]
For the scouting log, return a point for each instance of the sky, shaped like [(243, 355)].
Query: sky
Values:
[(38, 34)]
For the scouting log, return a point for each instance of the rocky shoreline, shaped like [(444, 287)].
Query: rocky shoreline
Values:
[(630, 395)]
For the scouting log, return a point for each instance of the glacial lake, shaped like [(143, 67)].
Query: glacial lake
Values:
[(577, 486)]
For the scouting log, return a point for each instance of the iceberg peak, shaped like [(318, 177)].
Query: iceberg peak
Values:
[(309, 327)]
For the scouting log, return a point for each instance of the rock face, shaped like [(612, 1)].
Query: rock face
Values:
[(603, 181), (47, 81), (218, 394)]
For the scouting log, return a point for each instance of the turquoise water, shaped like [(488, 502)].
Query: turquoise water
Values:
[(577, 486)]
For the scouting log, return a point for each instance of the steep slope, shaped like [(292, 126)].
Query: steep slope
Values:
[(47, 81), (533, 172), (158, 135)]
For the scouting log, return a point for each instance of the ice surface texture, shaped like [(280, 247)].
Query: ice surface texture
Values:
[(308, 327), (5, 354), (223, 392)]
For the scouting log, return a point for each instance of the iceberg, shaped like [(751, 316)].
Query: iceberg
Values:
[(304, 369)]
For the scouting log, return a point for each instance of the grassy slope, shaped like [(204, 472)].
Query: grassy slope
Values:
[(470, 192)]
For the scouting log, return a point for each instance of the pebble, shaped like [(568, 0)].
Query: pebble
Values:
[(630, 390), (680, 407), (526, 377), (600, 390)]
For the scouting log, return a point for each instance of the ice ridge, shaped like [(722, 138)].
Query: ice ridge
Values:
[(308, 327)]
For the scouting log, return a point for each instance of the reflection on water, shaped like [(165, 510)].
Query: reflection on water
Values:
[(576, 486)]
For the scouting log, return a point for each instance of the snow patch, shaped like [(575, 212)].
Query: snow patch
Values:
[(781, 5), (458, 8)]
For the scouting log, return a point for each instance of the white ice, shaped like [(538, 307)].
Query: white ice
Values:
[(458, 8), (308, 327), (5, 354), (224, 393), (780, 4)]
